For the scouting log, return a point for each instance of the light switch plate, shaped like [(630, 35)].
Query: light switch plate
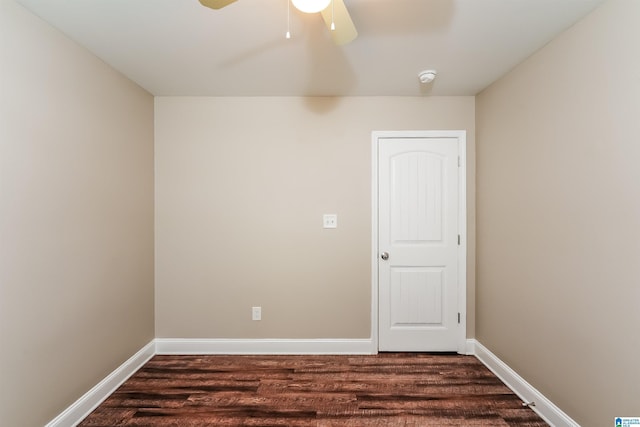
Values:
[(330, 221)]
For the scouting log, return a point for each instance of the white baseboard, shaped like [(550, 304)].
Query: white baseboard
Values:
[(470, 349), (75, 413), (265, 346), (543, 406), (82, 407)]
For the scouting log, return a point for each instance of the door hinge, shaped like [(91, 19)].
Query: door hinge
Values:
[(458, 318), (458, 161), (458, 240)]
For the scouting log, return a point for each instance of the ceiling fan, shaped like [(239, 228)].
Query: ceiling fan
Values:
[(334, 12)]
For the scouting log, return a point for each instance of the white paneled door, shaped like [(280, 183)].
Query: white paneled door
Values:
[(418, 243)]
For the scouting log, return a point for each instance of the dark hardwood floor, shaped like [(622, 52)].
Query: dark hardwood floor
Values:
[(389, 389)]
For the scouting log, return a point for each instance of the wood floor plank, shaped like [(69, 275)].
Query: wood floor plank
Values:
[(388, 389)]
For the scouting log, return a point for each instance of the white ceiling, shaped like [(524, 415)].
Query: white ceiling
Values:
[(178, 47)]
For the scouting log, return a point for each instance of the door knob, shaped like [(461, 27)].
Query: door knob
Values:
[(384, 255)]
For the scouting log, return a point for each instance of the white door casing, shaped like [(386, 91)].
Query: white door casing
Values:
[(419, 220)]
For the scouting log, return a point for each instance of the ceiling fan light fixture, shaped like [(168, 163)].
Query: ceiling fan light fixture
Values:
[(311, 6)]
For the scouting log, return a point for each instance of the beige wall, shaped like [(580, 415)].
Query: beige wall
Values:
[(241, 187), (76, 219), (559, 217)]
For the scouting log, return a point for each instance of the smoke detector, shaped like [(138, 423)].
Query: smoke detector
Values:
[(427, 76)]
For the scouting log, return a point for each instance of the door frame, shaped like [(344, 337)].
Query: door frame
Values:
[(461, 137)]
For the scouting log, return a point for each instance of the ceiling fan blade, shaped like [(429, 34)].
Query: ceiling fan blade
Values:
[(345, 31), (216, 4)]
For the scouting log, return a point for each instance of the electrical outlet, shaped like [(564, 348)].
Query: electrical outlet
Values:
[(330, 221), (256, 313)]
